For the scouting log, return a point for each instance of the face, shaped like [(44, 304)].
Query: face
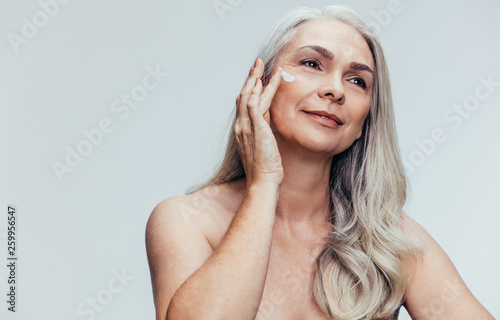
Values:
[(333, 69)]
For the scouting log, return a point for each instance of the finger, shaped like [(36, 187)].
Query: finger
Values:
[(241, 110), (241, 100), (255, 74), (270, 90), (254, 106), (254, 100)]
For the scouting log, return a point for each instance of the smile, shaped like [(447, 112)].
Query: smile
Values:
[(323, 120)]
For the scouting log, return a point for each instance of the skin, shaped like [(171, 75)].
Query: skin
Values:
[(246, 249)]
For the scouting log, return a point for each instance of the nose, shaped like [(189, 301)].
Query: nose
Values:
[(333, 89)]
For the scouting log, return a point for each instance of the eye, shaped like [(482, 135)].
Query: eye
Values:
[(360, 82), (311, 63)]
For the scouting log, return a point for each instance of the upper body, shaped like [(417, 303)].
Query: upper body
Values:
[(321, 172), (193, 226)]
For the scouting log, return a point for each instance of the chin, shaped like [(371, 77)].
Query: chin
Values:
[(319, 143), (318, 140)]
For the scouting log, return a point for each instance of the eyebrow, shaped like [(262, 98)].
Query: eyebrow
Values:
[(319, 49), (361, 67), (329, 55)]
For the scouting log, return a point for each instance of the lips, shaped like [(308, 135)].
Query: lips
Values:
[(330, 116)]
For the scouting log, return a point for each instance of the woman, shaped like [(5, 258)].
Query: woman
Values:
[(304, 220)]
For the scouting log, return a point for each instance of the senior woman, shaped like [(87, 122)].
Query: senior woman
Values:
[(303, 219)]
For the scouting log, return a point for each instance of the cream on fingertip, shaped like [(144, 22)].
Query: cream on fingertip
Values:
[(286, 76)]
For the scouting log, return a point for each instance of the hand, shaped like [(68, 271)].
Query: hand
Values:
[(256, 142)]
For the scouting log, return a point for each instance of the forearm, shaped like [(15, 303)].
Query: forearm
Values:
[(230, 283)]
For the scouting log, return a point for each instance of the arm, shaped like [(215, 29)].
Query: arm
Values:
[(189, 280), (176, 247), (193, 282), (436, 290)]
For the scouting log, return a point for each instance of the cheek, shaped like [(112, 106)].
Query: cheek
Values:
[(360, 120), (285, 107), (290, 94), (285, 99), (277, 104), (277, 110)]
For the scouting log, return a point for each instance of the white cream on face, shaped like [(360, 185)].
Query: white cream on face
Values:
[(286, 76)]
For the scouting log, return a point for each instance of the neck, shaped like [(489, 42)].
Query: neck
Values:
[(304, 193)]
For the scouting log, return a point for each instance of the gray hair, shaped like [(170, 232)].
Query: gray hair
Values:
[(368, 186)]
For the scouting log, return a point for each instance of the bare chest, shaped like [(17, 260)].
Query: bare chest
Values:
[(288, 291)]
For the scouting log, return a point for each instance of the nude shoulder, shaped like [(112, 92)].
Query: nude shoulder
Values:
[(423, 242), (192, 209), (434, 281), (415, 232), (209, 211)]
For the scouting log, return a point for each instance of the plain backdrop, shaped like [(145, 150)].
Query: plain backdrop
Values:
[(65, 70)]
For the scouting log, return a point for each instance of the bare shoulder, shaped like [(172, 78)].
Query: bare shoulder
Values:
[(435, 289), (182, 233), (188, 210), (174, 221), (413, 230), (177, 242), (207, 212)]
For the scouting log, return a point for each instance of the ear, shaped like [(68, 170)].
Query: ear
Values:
[(364, 127), (359, 134)]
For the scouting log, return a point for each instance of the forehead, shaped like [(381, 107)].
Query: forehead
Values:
[(336, 36)]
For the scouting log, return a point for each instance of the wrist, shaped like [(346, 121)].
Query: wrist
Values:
[(264, 189)]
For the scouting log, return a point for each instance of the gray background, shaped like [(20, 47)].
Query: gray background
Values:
[(72, 234)]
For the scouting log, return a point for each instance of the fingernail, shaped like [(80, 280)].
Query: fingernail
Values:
[(255, 63), (251, 69)]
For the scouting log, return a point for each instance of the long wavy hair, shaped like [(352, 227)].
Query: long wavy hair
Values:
[(363, 258)]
